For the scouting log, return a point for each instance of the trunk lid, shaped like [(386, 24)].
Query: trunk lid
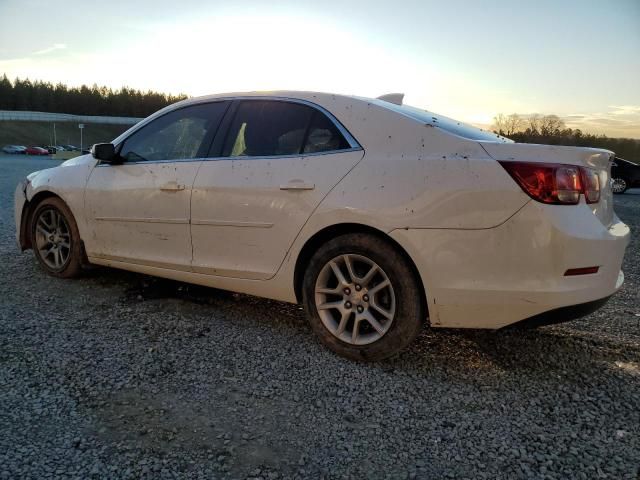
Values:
[(598, 159)]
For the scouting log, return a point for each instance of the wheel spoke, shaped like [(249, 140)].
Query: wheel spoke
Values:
[(386, 313), (349, 265), (356, 328), (45, 223), (343, 322), (329, 291), (329, 305), (369, 275), (380, 286), (373, 322), (41, 229), (338, 273)]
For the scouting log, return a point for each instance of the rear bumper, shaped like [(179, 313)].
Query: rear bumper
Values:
[(560, 315), (500, 276)]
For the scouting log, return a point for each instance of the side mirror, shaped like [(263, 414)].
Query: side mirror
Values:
[(105, 152)]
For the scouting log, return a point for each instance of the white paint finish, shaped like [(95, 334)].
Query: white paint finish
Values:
[(232, 198), (446, 183), (68, 182), (131, 214), (487, 254), (227, 223), (491, 278)]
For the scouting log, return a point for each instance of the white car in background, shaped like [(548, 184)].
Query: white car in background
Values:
[(14, 149), (378, 217)]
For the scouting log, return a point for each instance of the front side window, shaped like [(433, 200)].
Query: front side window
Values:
[(181, 134), (273, 128)]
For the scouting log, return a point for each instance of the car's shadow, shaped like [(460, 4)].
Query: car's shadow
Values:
[(542, 351)]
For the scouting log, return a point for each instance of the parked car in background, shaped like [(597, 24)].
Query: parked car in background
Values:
[(378, 217), (624, 175), (71, 148), (51, 149), (14, 149), (36, 151)]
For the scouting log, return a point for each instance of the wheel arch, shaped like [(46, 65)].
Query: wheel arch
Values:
[(324, 235), (28, 210)]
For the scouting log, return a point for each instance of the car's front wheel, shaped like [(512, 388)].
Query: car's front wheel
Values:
[(55, 239), (619, 185), (362, 297)]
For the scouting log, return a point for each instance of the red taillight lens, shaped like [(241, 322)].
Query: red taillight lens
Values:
[(591, 184), (555, 183)]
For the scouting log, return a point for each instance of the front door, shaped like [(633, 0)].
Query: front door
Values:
[(278, 161), (139, 210)]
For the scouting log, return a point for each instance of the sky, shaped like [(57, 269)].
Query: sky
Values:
[(470, 60)]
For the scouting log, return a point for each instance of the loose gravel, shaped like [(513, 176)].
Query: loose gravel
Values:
[(118, 375)]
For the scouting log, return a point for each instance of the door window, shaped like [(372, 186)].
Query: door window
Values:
[(181, 134), (323, 135), (275, 128)]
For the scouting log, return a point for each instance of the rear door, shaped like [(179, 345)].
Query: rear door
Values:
[(276, 162), (139, 211)]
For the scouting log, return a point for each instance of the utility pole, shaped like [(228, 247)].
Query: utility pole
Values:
[(55, 139), (81, 127)]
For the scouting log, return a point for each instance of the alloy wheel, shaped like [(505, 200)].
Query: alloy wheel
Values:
[(53, 238), (618, 185), (355, 299)]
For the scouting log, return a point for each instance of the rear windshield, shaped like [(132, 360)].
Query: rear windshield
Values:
[(445, 123)]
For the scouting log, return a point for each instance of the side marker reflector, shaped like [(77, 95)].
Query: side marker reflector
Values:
[(581, 271)]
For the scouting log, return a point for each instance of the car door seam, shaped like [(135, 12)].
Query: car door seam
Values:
[(314, 211)]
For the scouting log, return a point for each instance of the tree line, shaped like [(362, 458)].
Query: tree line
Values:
[(39, 96), (551, 129)]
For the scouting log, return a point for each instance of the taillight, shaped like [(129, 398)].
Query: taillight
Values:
[(555, 183), (591, 185)]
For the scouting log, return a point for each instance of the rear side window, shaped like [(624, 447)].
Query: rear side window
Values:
[(274, 128), (323, 136), (185, 133)]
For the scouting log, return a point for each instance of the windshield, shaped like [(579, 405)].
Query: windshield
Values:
[(445, 123)]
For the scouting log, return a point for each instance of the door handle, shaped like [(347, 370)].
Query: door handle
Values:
[(172, 187), (297, 185)]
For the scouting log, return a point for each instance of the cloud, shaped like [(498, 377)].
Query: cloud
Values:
[(625, 109), (52, 48), (619, 121)]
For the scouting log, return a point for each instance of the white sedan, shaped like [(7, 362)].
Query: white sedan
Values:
[(378, 217)]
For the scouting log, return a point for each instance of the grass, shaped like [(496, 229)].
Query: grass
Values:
[(41, 133)]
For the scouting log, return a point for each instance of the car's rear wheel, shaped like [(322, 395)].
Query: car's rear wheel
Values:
[(55, 239), (619, 185), (362, 297)]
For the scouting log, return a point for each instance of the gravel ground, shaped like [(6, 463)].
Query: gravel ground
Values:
[(118, 375)]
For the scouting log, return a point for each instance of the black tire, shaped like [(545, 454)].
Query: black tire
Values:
[(408, 305), (72, 266), (622, 181)]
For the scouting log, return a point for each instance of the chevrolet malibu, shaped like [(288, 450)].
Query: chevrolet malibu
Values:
[(379, 217)]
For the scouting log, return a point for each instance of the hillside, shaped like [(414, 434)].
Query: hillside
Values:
[(41, 133)]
